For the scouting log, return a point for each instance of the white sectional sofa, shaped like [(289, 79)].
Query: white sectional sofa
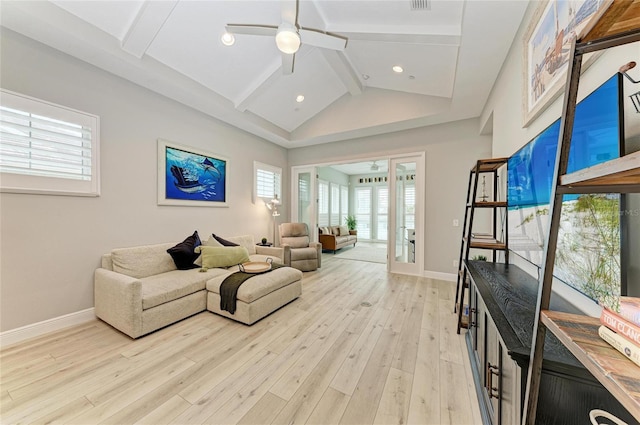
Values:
[(139, 289)]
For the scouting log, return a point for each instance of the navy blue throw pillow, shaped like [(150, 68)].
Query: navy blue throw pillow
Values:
[(223, 242), (183, 254)]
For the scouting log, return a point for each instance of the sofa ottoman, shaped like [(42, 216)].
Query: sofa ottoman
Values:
[(259, 295)]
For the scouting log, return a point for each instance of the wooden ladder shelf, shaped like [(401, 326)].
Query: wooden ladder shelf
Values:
[(488, 241), (616, 26)]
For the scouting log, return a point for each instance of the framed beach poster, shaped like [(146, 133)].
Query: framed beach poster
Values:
[(190, 177), (547, 45)]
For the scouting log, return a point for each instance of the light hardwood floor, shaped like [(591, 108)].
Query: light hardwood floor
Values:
[(326, 358)]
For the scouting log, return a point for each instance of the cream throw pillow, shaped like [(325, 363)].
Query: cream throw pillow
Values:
[(209, 242)]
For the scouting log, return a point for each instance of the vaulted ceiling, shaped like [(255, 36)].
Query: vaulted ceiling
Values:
[(450, 50)]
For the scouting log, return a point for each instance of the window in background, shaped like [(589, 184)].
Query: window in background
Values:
[(382, 209), (363, 212), (410, 206), (323, 203), (344, 204), (268, 181), (335, 205), (47, 148)]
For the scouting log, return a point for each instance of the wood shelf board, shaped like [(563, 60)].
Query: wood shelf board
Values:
[(488, 244), (489, 165), (489, 204), (624, 171), (482, 235), (615, 372), (619, 17)]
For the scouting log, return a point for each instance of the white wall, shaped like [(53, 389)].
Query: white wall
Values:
[(451, 150), (51, 245), (509, 135)]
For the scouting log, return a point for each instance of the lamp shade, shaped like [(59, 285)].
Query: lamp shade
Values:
[(287, 39)]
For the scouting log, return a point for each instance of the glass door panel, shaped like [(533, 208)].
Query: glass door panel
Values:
[(405, 246), (400, 251), (304, 208)]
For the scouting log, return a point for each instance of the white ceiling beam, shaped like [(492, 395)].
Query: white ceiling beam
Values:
[(435, 34), (271, 74), (260, 85), (434, 39), (343, 69), (146, 25)]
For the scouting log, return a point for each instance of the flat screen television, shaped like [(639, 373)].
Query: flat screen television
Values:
[(588, 253)]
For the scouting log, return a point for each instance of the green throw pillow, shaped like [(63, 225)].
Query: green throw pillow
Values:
[(226, 256)]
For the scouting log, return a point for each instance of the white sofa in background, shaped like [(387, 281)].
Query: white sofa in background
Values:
[(139, 289)]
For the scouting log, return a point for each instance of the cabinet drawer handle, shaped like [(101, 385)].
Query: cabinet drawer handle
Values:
[(491, 390)]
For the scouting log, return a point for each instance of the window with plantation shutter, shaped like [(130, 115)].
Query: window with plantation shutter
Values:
[(363, 212), (334, 219), (47, 148), (382, 193), (410, 206), (323, 203), (268, 181), (344, 204)]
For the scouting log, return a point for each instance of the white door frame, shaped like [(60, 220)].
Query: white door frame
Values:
[(313, 213), (416, 268), (394, 266)]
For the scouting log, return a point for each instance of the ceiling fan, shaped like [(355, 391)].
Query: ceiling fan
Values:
[(289, 35)]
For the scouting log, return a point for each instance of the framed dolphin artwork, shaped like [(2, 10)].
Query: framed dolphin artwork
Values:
[(190, 177)]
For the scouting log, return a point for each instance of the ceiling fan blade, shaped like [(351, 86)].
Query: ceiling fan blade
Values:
[(287, 63), (252, 29), (289, 12), (321, 39)]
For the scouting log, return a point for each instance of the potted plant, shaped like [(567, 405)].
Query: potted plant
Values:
[(351, 223)]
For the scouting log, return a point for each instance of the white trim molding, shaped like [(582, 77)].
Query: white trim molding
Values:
[(449, 277), (33, 330)]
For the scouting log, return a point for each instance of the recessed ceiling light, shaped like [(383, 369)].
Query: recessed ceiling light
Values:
[(299, 98), (397, 68), (228, 39)]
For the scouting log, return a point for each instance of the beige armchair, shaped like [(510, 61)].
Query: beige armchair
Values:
[(303, 254)]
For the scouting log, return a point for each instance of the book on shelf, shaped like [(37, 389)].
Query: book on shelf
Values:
[(624, 346), (620, 325), (630, 309), (482, 236)]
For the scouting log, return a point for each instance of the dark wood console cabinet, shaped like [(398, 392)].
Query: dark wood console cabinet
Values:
[(502, 303)]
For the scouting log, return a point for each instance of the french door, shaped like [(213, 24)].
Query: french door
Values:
[(303, 198), (406, 215)]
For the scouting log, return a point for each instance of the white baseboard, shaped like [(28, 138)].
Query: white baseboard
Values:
[(14, 336), (449, 277)]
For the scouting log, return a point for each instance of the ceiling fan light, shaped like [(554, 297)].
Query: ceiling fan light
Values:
[(228, 39), (287, 39)]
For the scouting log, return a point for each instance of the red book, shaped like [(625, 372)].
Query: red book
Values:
[(630, 309), (620, 325)]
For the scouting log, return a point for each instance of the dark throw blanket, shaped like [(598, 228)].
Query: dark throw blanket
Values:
[(230, 285)]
